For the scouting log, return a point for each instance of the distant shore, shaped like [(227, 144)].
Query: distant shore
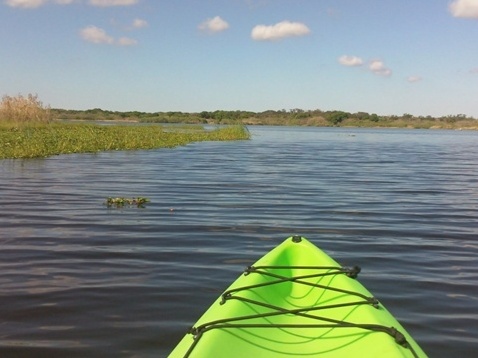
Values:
[(295, 117)]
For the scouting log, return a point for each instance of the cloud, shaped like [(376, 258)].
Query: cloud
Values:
[(464, 8), (350, 61), (126, 41), (213, 25), (279, 31), (96, 35), (32, 4), (107, 3), (25, 4), (474, 71), (378, 67), (139, 23), (413, 79), (375, 66), (99, 36)]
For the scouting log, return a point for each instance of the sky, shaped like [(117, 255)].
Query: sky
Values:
[(388, 57)]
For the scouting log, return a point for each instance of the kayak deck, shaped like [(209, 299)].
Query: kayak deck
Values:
[(297, 301)]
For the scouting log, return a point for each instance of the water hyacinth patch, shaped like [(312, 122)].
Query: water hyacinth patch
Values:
[(43, 140), (122, 202)]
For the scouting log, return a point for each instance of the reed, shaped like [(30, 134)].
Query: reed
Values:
[(22, 110)]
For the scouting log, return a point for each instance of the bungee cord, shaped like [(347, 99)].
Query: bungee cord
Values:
[(317, 322)]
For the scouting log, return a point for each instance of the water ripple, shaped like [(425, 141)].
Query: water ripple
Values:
[(79, 279)]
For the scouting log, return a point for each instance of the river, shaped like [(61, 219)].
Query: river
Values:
[(79, 279)]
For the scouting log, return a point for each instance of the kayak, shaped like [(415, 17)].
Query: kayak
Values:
[(297, 301)]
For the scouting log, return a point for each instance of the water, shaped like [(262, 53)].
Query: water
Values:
[(78, 279)]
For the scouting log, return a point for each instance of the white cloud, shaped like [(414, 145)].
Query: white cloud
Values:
[(32, 4), (375, 66), (139, 23), (350, 60), (96, 35), (106, 3), (214, 25), (464, 8), (279, 31), (25, 4), (126, 41), (378, 67), (413, 79)]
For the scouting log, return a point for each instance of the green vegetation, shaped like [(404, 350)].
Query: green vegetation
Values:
[(292, 117), (122, 202), (28, 129), (63, 138)]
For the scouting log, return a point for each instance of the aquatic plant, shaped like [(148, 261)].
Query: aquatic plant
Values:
[(35, 140), (121, 202)]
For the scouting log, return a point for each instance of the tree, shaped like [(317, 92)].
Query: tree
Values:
[(336, 117), (205, 115), (374, 117)]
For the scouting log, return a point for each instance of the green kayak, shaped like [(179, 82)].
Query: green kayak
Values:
[(296, 301)]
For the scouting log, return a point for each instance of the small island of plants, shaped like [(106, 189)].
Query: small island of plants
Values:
[(121, 202)]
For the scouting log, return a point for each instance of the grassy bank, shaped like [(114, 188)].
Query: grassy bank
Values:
[(35, 139)]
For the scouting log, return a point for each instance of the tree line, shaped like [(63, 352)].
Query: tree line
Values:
[(294, 116)]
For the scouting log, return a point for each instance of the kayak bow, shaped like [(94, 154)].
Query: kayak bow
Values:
[(297, 301)]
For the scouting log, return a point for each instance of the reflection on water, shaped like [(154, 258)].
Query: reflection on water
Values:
[(79, 279)]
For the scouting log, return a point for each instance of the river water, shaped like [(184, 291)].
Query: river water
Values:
[(79, 279)]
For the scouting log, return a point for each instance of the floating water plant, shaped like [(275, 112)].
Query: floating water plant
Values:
[(37, 139), (121, 202)]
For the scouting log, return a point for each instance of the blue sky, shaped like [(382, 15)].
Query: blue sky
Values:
[(378, 56)]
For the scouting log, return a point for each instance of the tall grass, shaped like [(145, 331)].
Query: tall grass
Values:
[(22, 110)]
